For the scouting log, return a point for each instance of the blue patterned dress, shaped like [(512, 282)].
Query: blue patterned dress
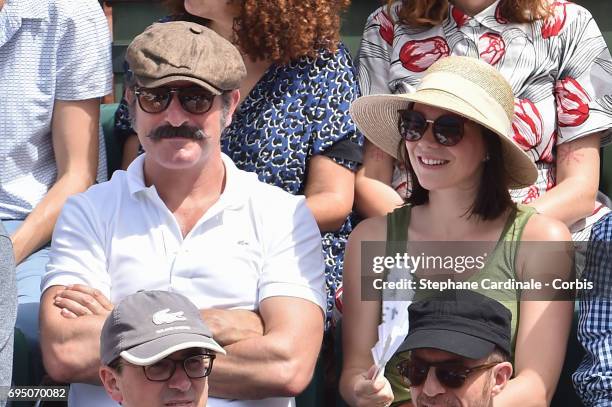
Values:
[(294, 112)]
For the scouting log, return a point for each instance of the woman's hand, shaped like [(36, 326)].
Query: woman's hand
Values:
[(360, 320), (372, 392)]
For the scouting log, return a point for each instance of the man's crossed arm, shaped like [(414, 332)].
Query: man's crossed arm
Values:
[(270, 354)]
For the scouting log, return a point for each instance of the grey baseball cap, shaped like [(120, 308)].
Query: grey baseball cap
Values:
[(185, 51), (148, 326)]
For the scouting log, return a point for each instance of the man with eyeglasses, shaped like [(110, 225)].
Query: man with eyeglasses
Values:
[(155, 350), (459, 350), (183, 218)]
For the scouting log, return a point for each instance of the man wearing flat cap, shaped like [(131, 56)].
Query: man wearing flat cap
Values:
[(459, 350), (155, 350), (183, 218)]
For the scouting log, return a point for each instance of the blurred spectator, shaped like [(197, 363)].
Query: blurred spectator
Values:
[(183, 218), (8, 308), (465, 338), (593, 378), (55, 64), (292, 126), (155, 350)]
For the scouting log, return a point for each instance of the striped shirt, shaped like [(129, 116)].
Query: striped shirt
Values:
[(49, 50)]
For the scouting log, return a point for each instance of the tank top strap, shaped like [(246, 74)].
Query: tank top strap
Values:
[(397, 236), (397, 224), (515, 225)]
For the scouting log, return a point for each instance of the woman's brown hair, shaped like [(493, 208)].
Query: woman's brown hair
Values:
[(429, 13), (492, 198), (281, 31)]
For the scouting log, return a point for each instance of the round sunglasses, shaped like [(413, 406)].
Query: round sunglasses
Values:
[(452, 375), (447, 129), (194, 99)]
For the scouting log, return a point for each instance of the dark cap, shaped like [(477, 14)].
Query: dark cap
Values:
[(464, 322), (184, 51), (148, 326)]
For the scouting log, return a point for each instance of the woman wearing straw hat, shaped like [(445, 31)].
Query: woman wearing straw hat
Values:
[(553, 55), (452, 136)]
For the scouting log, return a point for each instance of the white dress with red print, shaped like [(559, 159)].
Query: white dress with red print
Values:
[(560, 71)]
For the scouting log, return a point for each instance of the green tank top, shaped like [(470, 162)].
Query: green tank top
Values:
[(499, 267)]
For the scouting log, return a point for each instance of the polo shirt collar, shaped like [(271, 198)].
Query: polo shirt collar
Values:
[(487, 18), (135, 175), (237, 186), (234, 195)]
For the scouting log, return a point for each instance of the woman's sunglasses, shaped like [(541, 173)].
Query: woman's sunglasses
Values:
[(451, 375), (194, 99), (447, 129)]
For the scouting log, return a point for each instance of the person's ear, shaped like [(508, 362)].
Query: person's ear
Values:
[(501, 374), (234, 100), (111, 383), (129, 95)]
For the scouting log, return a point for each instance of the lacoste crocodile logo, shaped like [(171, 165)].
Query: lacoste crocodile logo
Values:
[(166, 317)]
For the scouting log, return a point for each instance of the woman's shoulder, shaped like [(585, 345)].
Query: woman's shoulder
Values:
[(336, 60), (540, 227), (385, 13), (315, 79), (564, 14), (371, 229), (567, 10), (376, 228)]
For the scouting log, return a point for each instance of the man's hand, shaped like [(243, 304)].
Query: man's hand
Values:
[(231, 326), (78, 300), (70, 345)]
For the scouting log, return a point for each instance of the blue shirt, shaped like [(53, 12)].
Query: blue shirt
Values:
[(593, 378), (49, 50)]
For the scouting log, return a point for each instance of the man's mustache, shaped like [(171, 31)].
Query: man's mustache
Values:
[(184, 130)]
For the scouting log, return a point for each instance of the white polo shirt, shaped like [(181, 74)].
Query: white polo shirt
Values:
[(255, 242)]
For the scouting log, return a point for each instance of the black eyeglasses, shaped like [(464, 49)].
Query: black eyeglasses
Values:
[(447, 129), (414, 372), (195, 367), (194, 99)]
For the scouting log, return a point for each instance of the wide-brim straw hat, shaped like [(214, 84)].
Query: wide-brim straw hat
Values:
[(462, 85)]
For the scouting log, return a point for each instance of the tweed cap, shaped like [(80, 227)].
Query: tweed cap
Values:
[(462, 85), (185, 51)]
